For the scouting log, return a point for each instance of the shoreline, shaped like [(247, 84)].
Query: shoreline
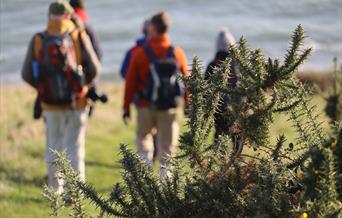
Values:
[(103, 79), (321, 78), (116, 78)]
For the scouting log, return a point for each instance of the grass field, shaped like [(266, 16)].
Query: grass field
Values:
[(22, 165)]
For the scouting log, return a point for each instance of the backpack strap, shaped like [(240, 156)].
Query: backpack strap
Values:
[(171, 52), (42, 34), (79, 41), (153, 58), (150, 53), (38, 43)]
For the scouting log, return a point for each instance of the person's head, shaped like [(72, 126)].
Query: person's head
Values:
[(159, 24), (60, 10), (224, 40), (79, 8), (77, 3), (145, 27)]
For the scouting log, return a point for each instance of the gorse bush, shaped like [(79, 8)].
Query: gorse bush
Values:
[(216, 179), (334, 101), (333, 110)]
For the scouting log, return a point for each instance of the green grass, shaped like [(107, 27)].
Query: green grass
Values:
[(22, 164)]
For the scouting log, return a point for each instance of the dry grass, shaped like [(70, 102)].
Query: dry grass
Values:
[(321, 79)]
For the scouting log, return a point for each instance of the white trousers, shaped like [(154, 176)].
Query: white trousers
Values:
[(65, 132)]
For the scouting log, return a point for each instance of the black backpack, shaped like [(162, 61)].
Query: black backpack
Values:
[(163, 85), (60, 81)]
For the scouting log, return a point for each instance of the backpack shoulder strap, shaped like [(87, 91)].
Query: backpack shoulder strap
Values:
[(150, 53), (171, 52), (42, 34), (38, 43), (77, 37)]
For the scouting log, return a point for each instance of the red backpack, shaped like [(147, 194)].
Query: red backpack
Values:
[(59, 79)]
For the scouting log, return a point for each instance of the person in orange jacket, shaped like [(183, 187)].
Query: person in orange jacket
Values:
[(149, 66)]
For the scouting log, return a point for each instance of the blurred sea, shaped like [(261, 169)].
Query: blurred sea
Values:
[(267, 24)]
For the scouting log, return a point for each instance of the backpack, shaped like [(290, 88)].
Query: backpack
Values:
[(60, 80), (162, 87)]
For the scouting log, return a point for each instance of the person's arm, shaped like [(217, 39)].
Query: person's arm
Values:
[(182, 60), (90, 63), (94, 41), (131, 82), (27, 71)]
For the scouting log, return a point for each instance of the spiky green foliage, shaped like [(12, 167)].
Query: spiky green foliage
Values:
[(56, 203), (71, 195), (260, 83), (314, 157), (338, 154), (201, 116), (334, 101), (324, 198), (304, 116), (333, 110), (212, 179)]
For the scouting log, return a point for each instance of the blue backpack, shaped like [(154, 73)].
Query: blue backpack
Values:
[(163, 86)]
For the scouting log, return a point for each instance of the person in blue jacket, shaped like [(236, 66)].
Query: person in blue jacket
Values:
[(139, 42)]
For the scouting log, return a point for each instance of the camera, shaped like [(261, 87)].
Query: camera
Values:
[(95, 96)]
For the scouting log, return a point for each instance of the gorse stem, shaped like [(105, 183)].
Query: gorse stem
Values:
[(213, 179)]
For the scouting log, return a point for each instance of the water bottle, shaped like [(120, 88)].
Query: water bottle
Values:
[(35, 69)]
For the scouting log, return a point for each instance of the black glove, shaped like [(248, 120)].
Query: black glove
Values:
[(37, 109), (95, 96), (126, 117)]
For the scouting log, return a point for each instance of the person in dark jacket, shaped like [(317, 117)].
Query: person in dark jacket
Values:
[(65, 122), (224, 40), (80, 18), (139, 42)]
